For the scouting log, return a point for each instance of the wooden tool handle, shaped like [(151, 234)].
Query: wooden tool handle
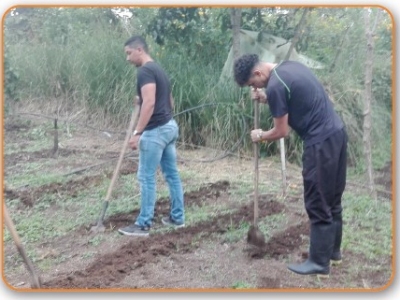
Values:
[(256, 155), (121, 155), (10, 225)]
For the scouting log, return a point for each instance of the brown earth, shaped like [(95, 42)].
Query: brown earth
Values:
[(199, 256)]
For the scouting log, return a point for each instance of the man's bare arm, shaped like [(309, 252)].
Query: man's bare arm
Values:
[(281, 129), (147, 108)]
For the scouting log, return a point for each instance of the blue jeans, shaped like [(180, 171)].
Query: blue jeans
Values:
[(157, 147)]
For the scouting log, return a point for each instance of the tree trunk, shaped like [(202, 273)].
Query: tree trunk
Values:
[(236, 17), (370, 33), (298, 33)]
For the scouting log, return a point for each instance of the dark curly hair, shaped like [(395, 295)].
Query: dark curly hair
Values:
[(243, 66)]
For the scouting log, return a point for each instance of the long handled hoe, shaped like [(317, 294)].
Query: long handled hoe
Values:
[(99, 227), (254, 235), (35, 282)]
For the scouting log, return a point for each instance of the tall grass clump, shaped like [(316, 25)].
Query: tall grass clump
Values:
[(86, 72), (208, 113)]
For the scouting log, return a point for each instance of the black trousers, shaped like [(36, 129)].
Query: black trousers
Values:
[(324, 177)]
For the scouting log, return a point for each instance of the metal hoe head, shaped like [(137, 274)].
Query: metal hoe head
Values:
[(255, 237), (98, 228)]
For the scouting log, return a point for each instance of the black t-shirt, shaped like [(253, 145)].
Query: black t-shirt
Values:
[(294, 90), (151, 72)]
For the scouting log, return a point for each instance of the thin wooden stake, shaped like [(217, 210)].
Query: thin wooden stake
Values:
[(283, 166), (55, 147)]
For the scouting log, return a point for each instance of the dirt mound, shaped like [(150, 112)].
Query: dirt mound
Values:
[(71, 188), (113, 267)]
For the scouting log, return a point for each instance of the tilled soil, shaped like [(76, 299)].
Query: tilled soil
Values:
[(137, 253), (196, 256)]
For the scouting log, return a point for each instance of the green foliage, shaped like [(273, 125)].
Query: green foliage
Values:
[(217, 121), (276, 21), (344, 78), (176, 24), (198, 29), (10, 80), (72, 58), (75, 67), (56, 25)]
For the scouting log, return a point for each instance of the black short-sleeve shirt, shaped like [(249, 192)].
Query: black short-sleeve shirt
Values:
[(151, 72), (294, 90)]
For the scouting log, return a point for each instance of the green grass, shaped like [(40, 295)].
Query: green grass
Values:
[(34, 176), (96, 240), (53, 215), (364, 221), (270, 224), (236, 232)]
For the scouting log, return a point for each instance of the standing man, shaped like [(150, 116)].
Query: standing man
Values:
[(298, 100), (155, 136)]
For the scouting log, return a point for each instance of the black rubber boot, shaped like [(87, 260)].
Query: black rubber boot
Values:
[(321, 249), (336, 258)]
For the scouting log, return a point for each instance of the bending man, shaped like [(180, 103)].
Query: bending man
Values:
[(298, 100)]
